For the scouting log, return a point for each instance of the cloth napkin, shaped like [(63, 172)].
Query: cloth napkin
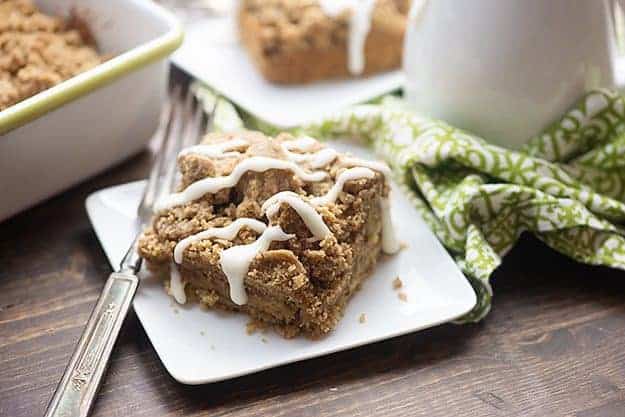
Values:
[(567, 186)]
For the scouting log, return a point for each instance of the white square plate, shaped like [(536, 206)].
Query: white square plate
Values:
[(212, 53), (199, 346)]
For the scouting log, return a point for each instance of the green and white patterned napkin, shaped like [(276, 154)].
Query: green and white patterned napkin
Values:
[(567, 186)]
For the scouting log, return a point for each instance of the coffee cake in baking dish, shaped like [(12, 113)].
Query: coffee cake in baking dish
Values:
[(38, 51)]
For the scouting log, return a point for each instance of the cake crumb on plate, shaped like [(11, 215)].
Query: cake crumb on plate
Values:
[(402, 296), (362, 319), (250, 328), (397, 283)]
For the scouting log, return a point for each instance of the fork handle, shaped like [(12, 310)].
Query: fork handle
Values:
[(75, 394)]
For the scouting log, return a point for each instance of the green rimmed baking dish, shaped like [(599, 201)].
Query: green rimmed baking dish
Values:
[(81, 126)]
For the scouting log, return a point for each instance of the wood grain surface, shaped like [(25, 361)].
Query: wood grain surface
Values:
[(554, 344)]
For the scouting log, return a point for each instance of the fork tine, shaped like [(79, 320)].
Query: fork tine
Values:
[(197, 128), (168, 169), (209, 101), (210, 116), (194, 131), (184, 121), (164, 133)]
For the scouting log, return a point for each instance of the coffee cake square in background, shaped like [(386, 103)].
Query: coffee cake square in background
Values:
[(301, 41), (284, 229)]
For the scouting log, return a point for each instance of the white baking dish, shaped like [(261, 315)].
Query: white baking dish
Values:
[(84, 125)]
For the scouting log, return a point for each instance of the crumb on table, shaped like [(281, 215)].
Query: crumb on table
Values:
[(402, 296), (362, 319)]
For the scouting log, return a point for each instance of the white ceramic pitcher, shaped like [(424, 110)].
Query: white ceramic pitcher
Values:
[(507, 69)]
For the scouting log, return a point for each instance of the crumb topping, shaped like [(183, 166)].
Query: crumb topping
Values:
[(288, 25), (38, 51)]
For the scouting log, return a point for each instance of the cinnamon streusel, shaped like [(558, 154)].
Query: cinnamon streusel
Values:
[(38, 51)]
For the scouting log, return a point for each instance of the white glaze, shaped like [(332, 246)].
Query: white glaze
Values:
[(390, 242), (211, 185), (306, 144), (318, 159), (308, 214), (381, 167), (302, 144), (176, 286), (216, 150), (227, 233), (347, 175), (323, 157), (416, 9), (359, 27), (235, 262)]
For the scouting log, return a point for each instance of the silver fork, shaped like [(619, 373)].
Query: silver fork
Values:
[(183, 121)]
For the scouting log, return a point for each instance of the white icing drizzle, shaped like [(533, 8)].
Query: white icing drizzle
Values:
[(390, 243), (235, 261), (211, 185), (309, 215), (347, 175), (416, 10), (381, 167), (217, 150), (306, 144), (176, 286), (359, 27), (318, 159), (227, 232), (323, 157), (302, 144)]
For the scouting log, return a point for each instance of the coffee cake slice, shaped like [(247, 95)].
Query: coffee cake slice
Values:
[(283, 229), (301, 41)]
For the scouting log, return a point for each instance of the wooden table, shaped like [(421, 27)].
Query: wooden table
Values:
[(554, 343)]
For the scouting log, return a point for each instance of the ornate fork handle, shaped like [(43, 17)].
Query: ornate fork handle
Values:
[(81, 380), (183, 122)]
